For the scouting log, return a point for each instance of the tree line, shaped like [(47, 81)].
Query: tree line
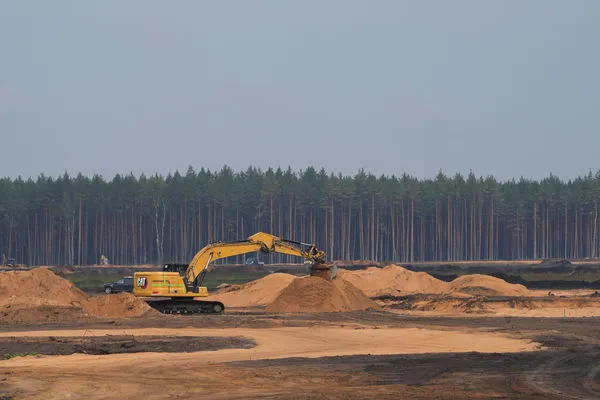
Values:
[(135, 220)]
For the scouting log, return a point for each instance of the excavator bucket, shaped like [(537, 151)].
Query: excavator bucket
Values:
[(325, 271)]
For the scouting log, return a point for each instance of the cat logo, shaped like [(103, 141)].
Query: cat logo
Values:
[(142, 282)]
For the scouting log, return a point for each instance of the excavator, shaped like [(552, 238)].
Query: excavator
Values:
[(179, 284)]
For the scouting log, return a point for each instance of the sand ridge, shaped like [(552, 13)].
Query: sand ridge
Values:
[(314, 294), (486, 285), (260, 292), (39, 286), (40, 295), (392, 280)]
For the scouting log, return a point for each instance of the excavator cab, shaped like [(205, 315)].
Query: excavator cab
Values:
[(174, 267)]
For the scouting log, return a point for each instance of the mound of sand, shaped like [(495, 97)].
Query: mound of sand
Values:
[(393, 281), (41, 296), (313, 294), (397, 281), (256, 293), (485, 285), (117, 305), (38, 287)]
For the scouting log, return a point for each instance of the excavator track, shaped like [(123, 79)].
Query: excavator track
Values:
[(186, 306)]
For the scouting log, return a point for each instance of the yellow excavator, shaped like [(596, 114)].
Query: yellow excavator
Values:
[(180, 284)]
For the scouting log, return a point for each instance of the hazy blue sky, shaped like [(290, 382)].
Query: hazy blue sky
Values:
[(508, 88)]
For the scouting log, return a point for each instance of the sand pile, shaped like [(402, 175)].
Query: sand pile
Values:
[(117, 305), (41, 296), (397, 281), (313, 294), (393, 281), (485, 285), (40, 286), (256, 293)]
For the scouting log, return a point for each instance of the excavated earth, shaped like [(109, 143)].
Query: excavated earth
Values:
[(40, 295), (377, 333), (566, 366), (313, 294)]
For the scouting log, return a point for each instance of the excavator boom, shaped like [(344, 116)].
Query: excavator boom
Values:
[(184, 287)]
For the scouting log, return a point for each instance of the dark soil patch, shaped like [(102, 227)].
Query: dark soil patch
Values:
[(59, 345), (553, 374)]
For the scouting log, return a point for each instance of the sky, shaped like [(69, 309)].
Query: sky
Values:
[(504, 88)]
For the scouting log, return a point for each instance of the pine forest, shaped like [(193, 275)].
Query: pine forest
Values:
[(138, 220)]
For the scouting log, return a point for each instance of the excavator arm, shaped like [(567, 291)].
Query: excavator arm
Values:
[(183, 283), (258, 242)]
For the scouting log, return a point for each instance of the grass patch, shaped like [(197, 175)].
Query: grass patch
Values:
[(13, 355), (91, 281), (87, 281)]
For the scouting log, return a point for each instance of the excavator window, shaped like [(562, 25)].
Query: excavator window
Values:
[(175, 267)]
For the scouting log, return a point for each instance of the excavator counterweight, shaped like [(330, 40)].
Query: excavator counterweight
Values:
[(181, 284)]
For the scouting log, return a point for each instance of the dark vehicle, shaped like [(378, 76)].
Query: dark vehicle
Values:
[(254, 261), (8, 261), (122, 285)]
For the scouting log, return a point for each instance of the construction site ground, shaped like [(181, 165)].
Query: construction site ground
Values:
[(410, 336), (361, 354)]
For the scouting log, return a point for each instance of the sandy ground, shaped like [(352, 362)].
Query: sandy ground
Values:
[(569, 305), (358, 355), (586, 312), (472, 342), (288, 342), (141, 375), (502, 311)]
